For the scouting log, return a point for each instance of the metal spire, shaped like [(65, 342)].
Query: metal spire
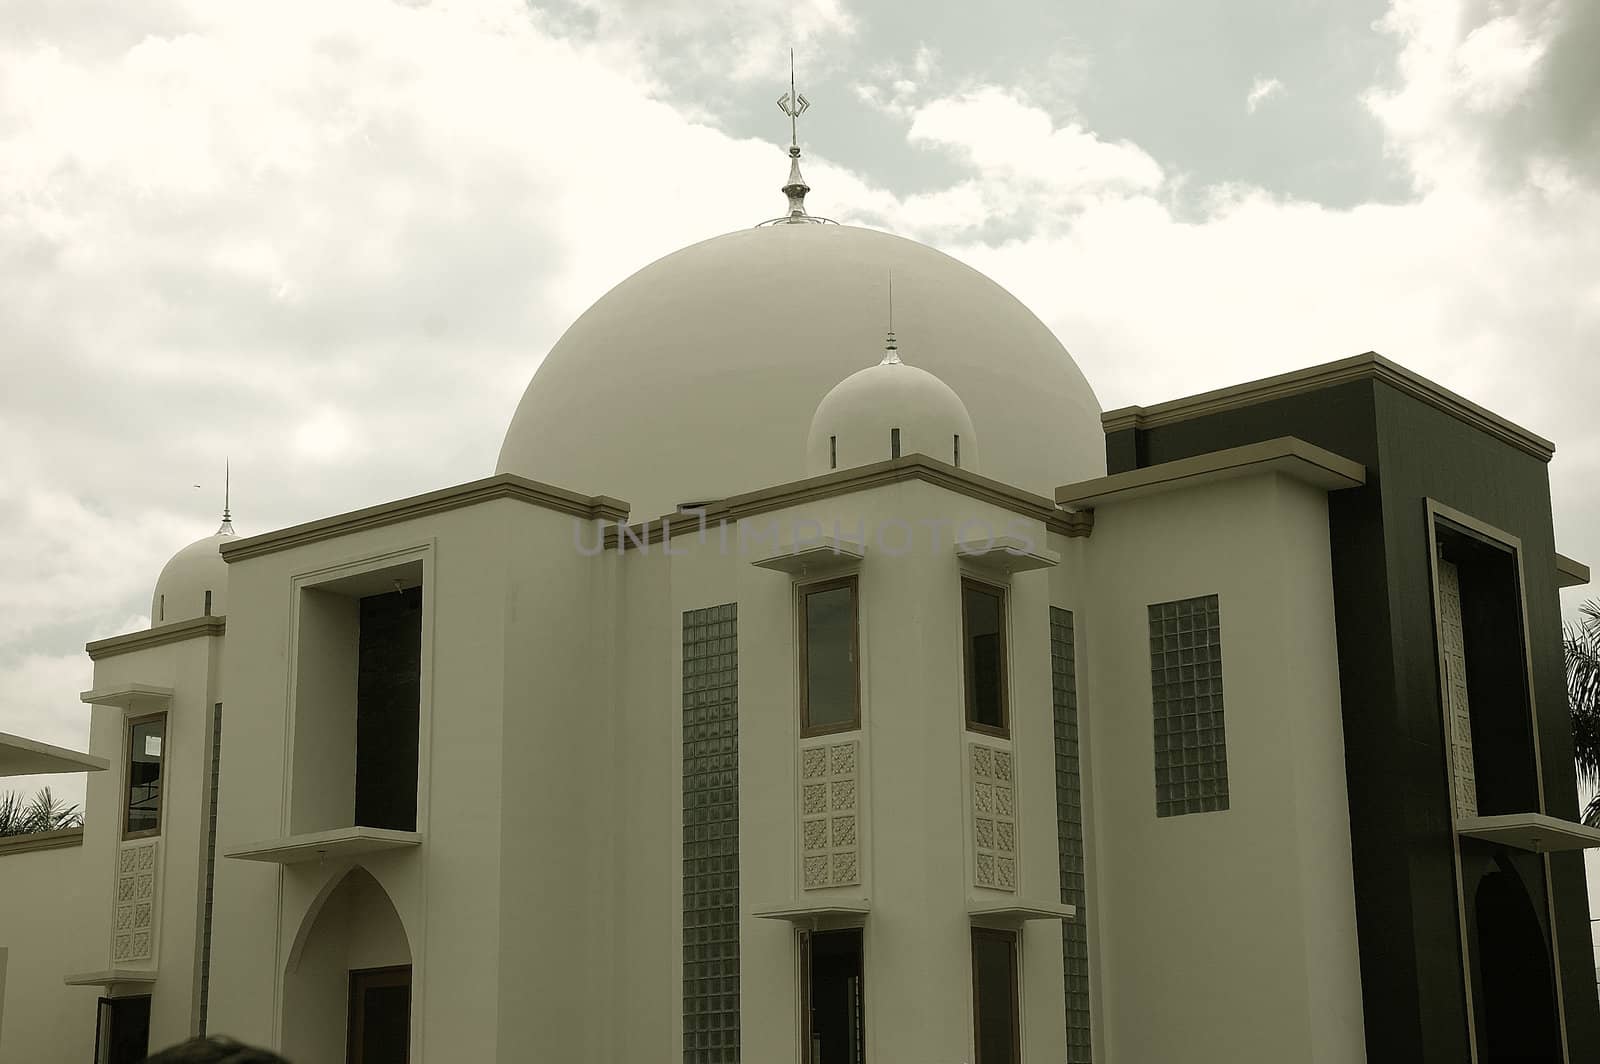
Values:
[(891, 349), (226, 528), (794, 105)]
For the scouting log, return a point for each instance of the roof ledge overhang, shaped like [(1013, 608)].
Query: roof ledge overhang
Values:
[(29, 757), (1570, 573), (1287, 455)]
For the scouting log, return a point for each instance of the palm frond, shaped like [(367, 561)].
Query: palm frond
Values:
[(1582, 647), (11, 815)]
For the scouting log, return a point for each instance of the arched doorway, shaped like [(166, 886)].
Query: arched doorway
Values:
[(347, 986), (1518, 1023)]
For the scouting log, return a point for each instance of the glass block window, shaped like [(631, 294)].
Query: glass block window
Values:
[(1186, 692), (1069, 833), (711, 836)]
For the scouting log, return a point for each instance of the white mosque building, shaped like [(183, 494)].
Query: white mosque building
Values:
[(793, 696)]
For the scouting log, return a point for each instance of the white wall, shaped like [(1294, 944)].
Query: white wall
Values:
[(43, 905), (1234, 930)]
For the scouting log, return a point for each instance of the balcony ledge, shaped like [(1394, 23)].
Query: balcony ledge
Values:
[(319, 845), (1534, 832)]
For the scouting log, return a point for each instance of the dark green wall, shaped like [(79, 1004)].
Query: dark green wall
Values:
[(1406, 910)]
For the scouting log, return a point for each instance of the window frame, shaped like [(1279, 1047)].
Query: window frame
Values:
[(1013, 941), (968, 689), (127, 775), (802, 592)]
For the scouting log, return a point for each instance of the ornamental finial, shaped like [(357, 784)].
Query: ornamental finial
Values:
[(794, 105), (227, 515)]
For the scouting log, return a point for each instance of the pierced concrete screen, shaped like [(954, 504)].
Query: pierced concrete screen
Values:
[(711, 836), (1069, 833), (1186, 689)]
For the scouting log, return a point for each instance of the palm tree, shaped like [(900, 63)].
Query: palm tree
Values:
[(1583, 701), (45, 812)]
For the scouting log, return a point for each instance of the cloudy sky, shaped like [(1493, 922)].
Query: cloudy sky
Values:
[(333, 241)]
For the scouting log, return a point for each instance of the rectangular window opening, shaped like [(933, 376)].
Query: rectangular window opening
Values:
[(834, 1007), (894, 443), (833, 452), (146, 736), (958, 450), (994, 997), (122, 1030), (983, 632), (1191, 750), (830, 674), (378, 1023), (357, 701)]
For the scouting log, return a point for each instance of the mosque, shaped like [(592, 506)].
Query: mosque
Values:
[(841, 698)]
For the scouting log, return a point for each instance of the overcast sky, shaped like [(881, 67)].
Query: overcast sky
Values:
[(333, 240)]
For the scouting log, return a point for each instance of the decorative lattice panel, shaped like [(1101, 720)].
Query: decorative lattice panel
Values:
[(830, 836), (1186, 695), (134, 925), (1455, 689), (711, 836), (1069, 833), (994, 818)]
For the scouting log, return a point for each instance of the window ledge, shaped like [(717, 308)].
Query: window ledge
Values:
[(807, 909), (317, 845), (1006, 554), (1015, 909), (129, 696), (1535, 832), (812, 556), (112, 977)]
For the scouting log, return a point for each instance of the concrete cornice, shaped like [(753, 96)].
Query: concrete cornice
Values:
[(500, 486), (1287, 455), (863, 478), (1368, 366), (43, 840), (1570, 572), (176, 632)]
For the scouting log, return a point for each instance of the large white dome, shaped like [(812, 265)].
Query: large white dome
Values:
[(695, 378)]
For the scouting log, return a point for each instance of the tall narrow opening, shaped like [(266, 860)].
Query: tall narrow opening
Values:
[(835, 1005), (122, 1030), (894, 443), (380, 1016), (996, 1036), (357, 712)]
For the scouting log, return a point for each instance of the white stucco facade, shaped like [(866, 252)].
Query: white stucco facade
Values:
[(534, 884)]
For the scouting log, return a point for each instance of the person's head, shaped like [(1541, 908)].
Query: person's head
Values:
[(214, 1049)]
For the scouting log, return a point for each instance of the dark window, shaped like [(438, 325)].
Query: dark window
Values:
[(145, 738), (388, 694), (208, 602), (1191, 750), (994, 996), (834, 1008), (894, 443), (380, 1015), (829, 672), (122, 1030), (833, 452), (983, 630), (958, 450)]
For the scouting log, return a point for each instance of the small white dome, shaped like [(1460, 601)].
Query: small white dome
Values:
[(184, 581), (888, 410)]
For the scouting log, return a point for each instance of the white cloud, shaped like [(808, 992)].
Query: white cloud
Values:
[(333, 241), (1262, 90)]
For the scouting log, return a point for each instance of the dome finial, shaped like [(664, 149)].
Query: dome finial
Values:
[(226, 528), (891, 348), (794, 105)]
